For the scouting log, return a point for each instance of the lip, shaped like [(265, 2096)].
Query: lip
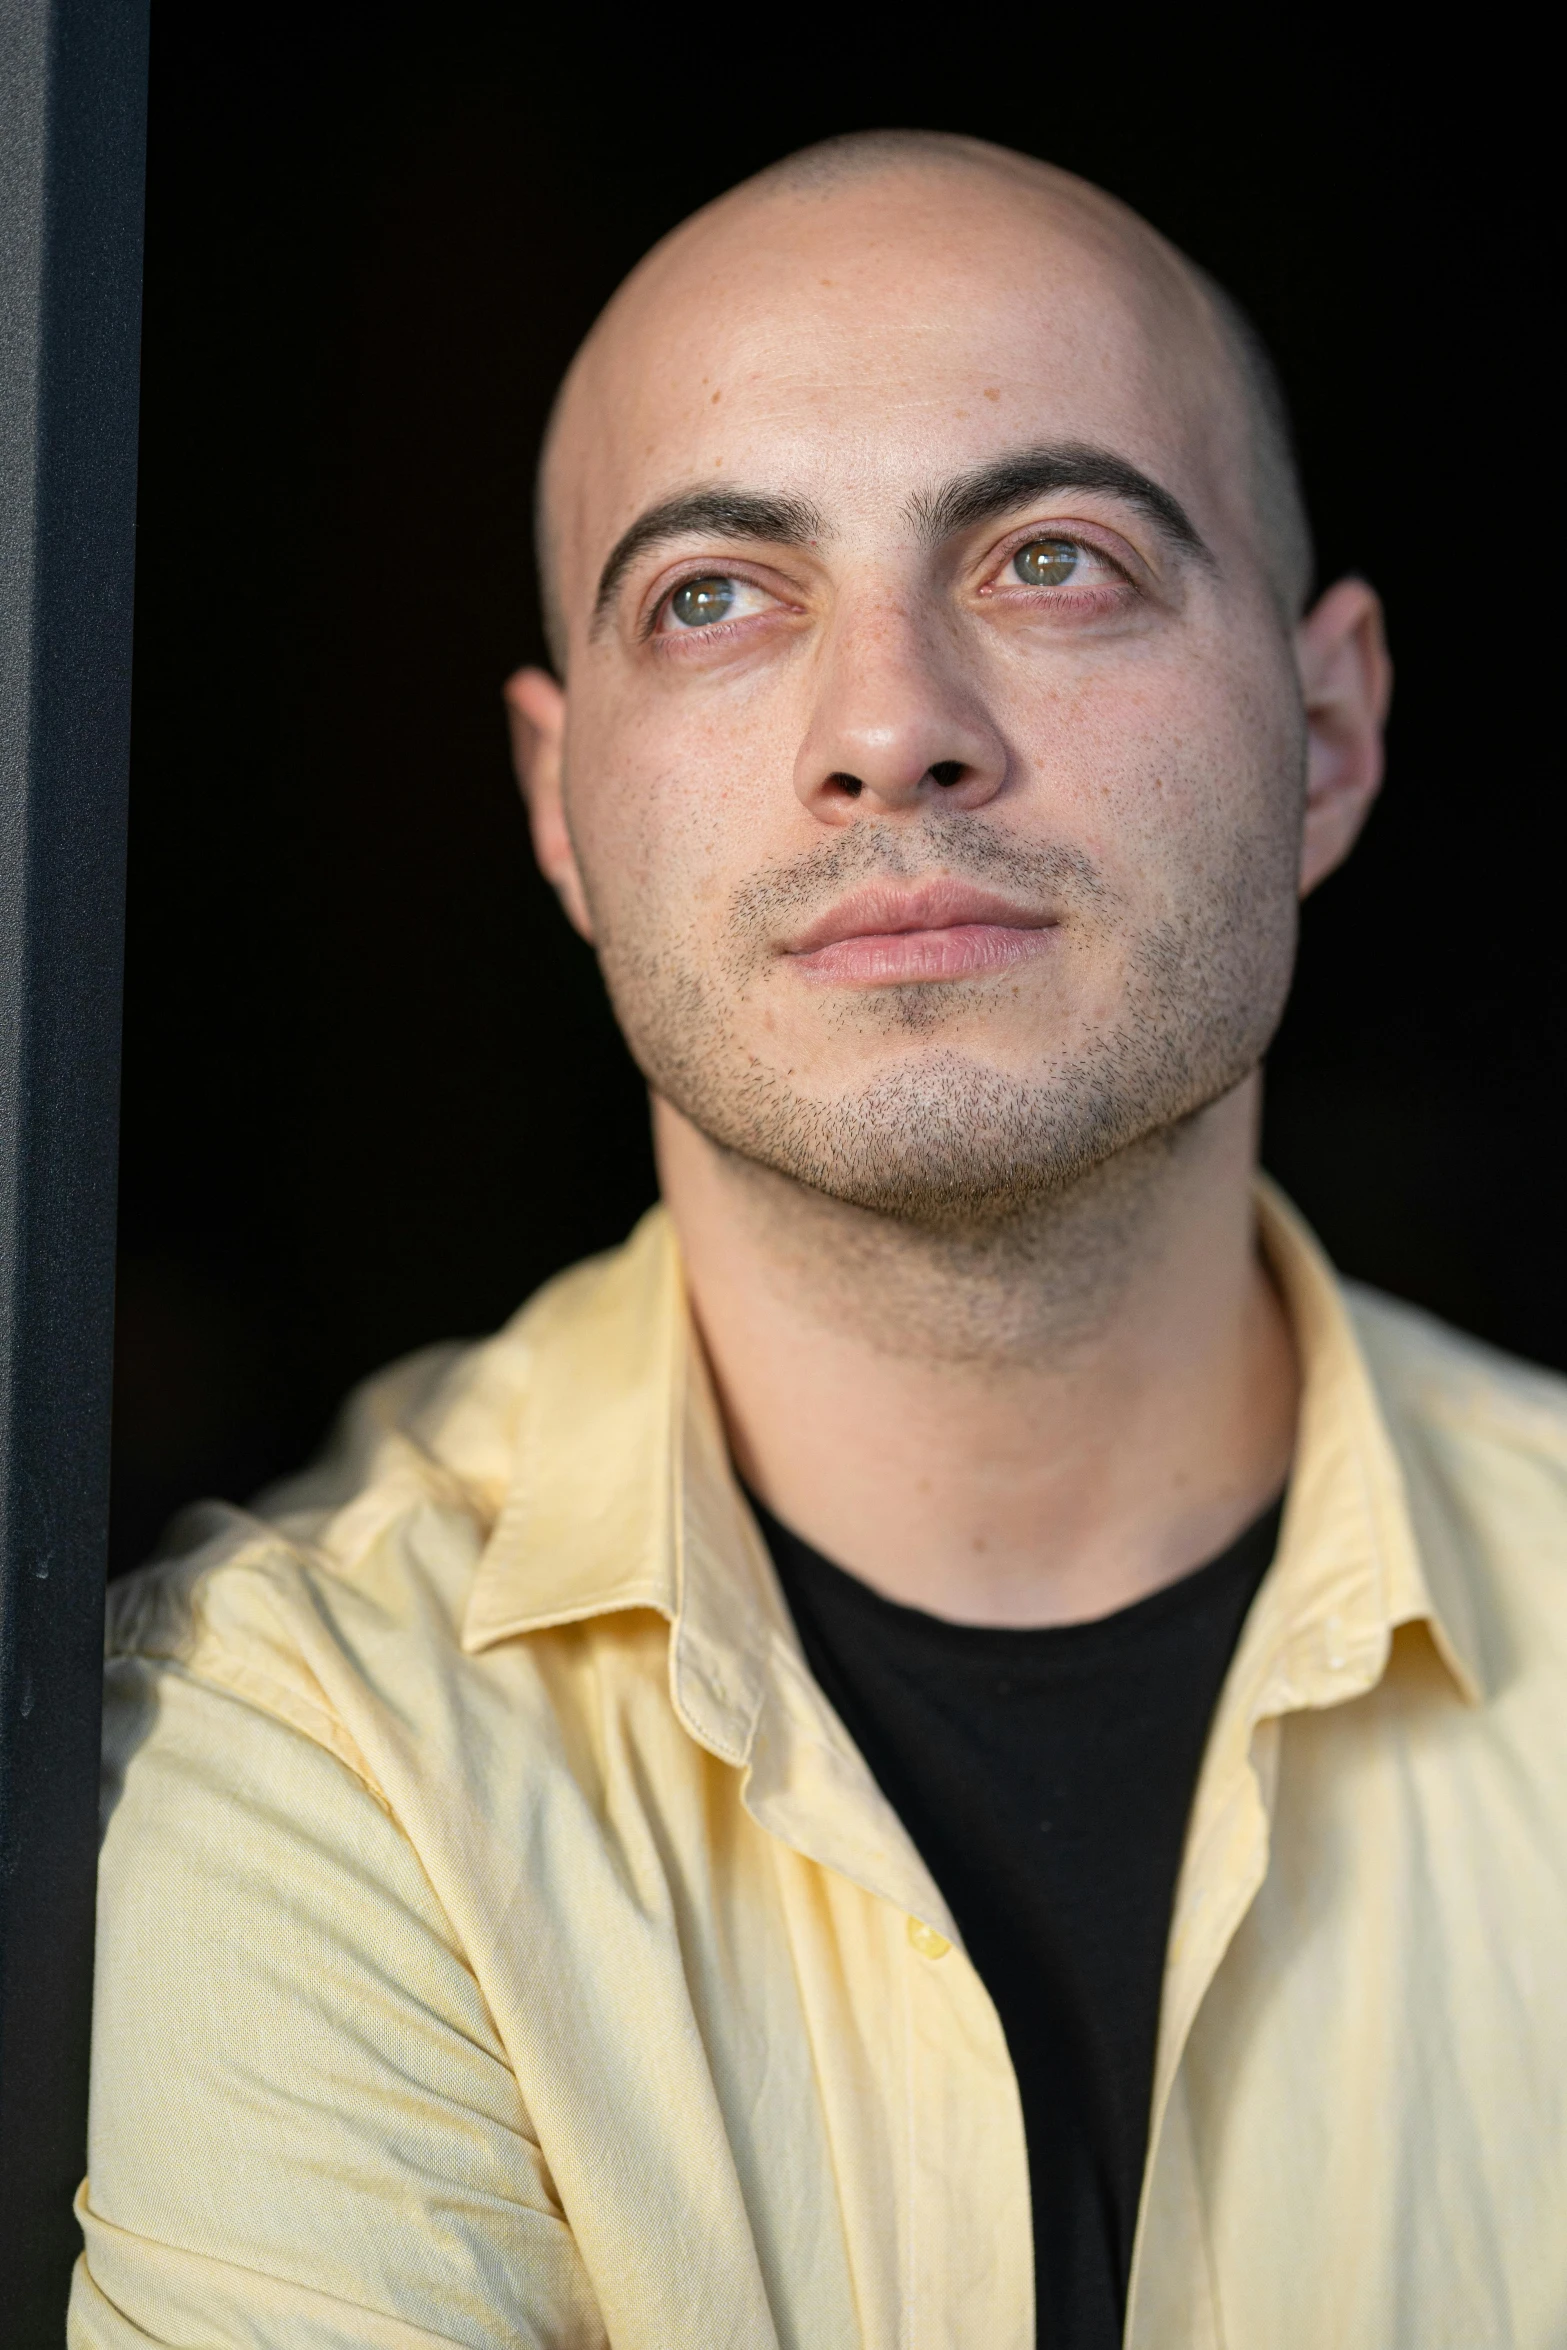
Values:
[(884, 935)]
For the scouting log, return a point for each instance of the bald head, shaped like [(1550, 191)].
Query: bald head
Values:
[(871, 198), (942, 748)]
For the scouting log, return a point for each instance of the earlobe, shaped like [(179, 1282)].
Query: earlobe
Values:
[(1346, 683), (536, 717)]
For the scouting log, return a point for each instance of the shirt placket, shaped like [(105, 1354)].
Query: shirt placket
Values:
[(969, 2236)]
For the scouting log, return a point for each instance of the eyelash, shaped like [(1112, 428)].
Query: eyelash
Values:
[(1067, 538), (722, 629), (648, 629)]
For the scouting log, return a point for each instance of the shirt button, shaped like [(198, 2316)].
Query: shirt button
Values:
[(927, 1941)]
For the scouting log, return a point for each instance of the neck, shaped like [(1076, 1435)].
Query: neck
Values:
[(1030, 1423)]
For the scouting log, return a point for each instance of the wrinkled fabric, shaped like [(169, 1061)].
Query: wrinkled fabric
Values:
[(501, 1941)]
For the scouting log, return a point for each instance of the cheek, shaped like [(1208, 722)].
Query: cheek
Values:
[(669, 805), (1168, 766)]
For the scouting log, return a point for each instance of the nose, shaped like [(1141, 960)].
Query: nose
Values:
[(896, 726)]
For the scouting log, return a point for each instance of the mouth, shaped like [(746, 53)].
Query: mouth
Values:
[(892, 935)]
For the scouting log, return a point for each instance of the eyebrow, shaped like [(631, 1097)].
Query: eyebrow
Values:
[(729, 514), (968, 499), (989, 490)]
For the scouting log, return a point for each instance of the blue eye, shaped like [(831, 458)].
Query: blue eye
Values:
[(702, 601), (1046, 562)]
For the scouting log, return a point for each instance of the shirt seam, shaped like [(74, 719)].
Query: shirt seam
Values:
[(246, 2268), (272, 1698), (359, 1773)]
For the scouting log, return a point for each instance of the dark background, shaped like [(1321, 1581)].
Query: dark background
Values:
[(372, 1091)]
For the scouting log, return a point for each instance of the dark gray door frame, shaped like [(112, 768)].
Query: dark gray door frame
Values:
[(72, 149)]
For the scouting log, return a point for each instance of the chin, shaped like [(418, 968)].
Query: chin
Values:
[(939, 1141)]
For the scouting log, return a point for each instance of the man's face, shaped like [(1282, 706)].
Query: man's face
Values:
[(934, 789)]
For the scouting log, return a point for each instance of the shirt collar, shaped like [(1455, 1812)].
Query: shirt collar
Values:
[(622, 1496), (1364, 1546)]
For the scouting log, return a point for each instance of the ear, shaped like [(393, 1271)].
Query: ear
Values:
[(1347, 681), (536, 716)]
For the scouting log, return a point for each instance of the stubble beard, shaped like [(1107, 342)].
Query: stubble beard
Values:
[(938, 1141)]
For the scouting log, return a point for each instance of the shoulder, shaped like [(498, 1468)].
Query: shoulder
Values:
[(335, 1601), (1430, 1374), (1481, 1442)]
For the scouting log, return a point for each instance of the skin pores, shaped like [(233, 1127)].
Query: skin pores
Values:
[(1116, 757)]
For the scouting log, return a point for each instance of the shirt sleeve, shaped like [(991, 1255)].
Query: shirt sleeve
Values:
[(305, 2133)]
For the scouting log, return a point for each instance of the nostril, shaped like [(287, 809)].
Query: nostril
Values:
[(948, 772), (848, 784)]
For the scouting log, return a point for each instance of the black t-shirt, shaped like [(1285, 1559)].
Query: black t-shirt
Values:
[(1046, 1777)]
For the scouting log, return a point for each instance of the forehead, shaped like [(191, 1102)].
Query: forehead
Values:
[(858, 347)]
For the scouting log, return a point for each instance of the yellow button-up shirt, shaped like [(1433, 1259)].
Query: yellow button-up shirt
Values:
[(502, 1942)]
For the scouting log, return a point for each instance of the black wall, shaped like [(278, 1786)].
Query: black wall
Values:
[(372, 1091)]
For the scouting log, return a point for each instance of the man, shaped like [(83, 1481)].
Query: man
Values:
[(956, 1746)]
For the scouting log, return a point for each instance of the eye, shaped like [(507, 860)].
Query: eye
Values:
[(709, 605), (1048, 562), (702, 601)]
